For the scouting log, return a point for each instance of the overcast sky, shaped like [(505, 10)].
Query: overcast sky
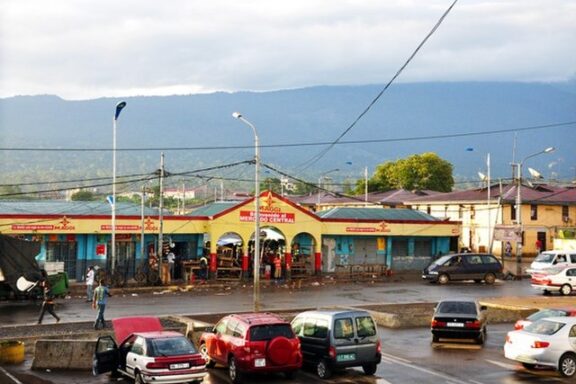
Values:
[(83, 49)]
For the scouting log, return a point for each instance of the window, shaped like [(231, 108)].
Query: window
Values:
[(231, 326), (533, 212), (343, 329), (316, 328), (221, 327), (476, 259), (297, 325), (269, 332), (513, 212), (565, 213), (571, 272), (171, 346), (365, 326), (138, 347), (572, 331), (488, 259)]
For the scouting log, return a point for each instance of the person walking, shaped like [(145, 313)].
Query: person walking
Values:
[(277, 267), (89, 283), (101, 294), (171, 258), (48, 298)]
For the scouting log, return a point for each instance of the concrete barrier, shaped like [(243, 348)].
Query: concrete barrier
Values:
[(63, 354)]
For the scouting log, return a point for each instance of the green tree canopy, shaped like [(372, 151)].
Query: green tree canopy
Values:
[(416, 172), (83, 195)]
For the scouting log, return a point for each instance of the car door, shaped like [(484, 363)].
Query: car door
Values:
[(135, 354), (217, 347), (571, 277), (105, 357)]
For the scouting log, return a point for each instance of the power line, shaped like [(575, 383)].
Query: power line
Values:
[(321, 154), (310, 144)]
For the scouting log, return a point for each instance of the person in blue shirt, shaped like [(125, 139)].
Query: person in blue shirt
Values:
[(100, 298)]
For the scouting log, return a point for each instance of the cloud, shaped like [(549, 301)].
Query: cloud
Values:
[(86, 49)]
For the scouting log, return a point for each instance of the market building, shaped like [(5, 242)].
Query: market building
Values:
[(300, 241)]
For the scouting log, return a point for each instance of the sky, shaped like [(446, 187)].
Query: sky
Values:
[(86, 49)]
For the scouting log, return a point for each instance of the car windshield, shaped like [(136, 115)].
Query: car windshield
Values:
[(544, 327), (268, 332), (546, 313), (460, 307), (171, 346), (442, 260), (544, 258)]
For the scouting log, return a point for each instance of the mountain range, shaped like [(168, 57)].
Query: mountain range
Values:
[(49, 138)]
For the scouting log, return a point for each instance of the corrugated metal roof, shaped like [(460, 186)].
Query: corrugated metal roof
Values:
[(375, 214), (213, 208), (79, 208)]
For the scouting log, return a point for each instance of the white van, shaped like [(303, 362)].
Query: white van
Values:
[(550, 259)]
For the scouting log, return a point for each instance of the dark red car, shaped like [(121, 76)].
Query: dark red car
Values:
[(252, 343)]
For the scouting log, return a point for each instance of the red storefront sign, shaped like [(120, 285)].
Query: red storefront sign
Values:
[(268, 217), (100, 249), (108, 227)]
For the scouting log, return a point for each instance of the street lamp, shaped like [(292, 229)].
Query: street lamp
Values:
[(322, 176), (119, 108), (238, 115), (519, 208)]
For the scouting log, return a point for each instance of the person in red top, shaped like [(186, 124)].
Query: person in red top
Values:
[(277, 267), (538, 246)]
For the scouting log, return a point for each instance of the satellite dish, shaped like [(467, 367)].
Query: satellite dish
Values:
[(534, 173), (482, 176), (529, 183)]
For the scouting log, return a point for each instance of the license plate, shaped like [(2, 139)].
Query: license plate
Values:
[(260, 362), (180, 366), (458, 325), (346, 357)]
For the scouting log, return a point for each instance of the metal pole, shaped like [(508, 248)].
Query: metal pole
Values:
[(161, 217), (366, 185), (488, 205), (519, 221), (256, 297), (142, 253), (119, 108)]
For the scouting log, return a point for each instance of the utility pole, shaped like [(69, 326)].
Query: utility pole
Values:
[(161, 216)]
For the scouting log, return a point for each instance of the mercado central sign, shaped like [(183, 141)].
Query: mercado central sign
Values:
[(269, 213)]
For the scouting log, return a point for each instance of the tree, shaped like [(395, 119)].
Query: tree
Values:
[(417, 172), (271, 183), (83, 196)]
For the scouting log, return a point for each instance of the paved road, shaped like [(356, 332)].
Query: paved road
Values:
[(273, 298)]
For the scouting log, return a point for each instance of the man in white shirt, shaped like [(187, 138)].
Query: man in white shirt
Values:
[(171, 257), (89, 283)]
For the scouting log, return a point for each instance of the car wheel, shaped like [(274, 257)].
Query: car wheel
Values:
[(490, 278), (443, 278), (567, 365), (435, 339), (233, 372), (546, 292), (369, 369), (204, 352), (566, 289), (138, 378), (323, 370), (528, 365)]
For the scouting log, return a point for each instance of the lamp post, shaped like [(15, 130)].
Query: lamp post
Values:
[(119, 108), (238, 115), (519, 244), (322, 176)]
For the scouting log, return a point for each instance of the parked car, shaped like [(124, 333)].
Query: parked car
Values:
[(252, 343), (147, 353), (552, 259), (334, 339), (547, 342), (464, 266), (459, 319), (544, 313), (562, 279)]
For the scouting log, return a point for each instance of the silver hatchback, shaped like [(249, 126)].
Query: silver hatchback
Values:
[(334, 339)]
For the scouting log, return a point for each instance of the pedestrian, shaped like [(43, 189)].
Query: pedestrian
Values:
[(89, 283), (538, 246), (171, 258), (48, 298), (277, 267), (203, 268), (101, 294)]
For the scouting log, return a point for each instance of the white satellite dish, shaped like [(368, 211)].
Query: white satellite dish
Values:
[(25, 285), (482, 176), (534, 173)]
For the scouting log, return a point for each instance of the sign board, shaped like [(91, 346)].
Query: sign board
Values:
[(510, 233)]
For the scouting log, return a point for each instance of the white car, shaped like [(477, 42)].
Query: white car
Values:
[(547, 342), (148, 354), (561, 280)]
